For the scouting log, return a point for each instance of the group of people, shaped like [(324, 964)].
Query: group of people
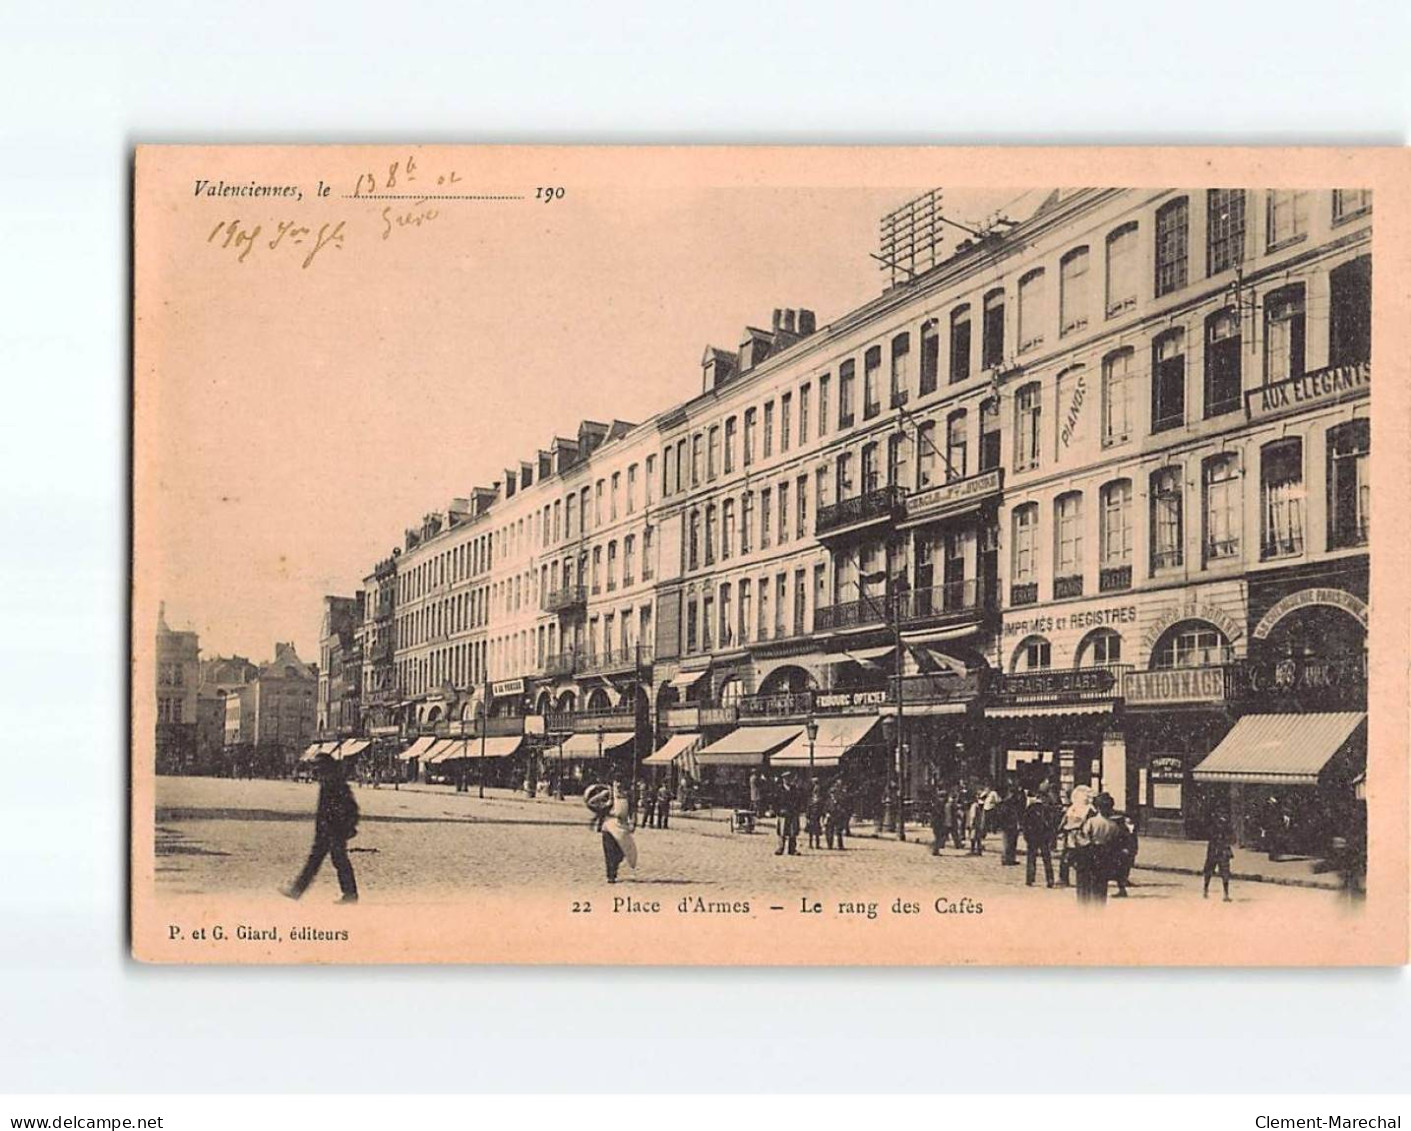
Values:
[(825, 812), (651, 807), (1096, 845)]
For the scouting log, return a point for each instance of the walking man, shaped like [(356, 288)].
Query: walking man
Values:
[(644, 806), (663, 805), (1040, 821), (939, 819), (835, 814), (335, 823), (786, 816), (1009, 814), (955, 815)]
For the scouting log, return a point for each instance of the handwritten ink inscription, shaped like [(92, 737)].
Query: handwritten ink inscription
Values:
[(234, 236)]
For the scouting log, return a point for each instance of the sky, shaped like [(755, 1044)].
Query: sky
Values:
[(296, 420)]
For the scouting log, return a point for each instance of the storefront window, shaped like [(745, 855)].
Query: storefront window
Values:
[(1191, 644)]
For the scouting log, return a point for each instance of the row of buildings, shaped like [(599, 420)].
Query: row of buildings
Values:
[(226, 715), (1086, 501)]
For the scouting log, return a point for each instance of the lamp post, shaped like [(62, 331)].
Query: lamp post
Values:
[(891, 612), (811, 729), (484, 728)]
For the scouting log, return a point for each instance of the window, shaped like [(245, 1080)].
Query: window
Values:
[(783, 513), (823, 383), (820, 588), (1031, 310), (727, 529), (1168, 381), (762, 626), (1224, 229), (1033, 655), (1117, 397), (800, 602), (1117, 523), (746, 522), (1287, 216), (1073, 291), (693, 544), (1191, 644), (992, 331), (898, 460), (844, 476), (1028, 414), (1348, 203), (768, 430), (870, 470), (729, 458), (597, 575), (956, 446), (1349, 488), (1167, 519), (1350, 313), (1122, 269), (1026, 540), (750, 417), (1283, 334), (1172, 246), (745, 610), (1223, 382), (707, 623), (786, 413), (846, 381), (612, 566), (1068, 535), (926, 455), (766, 507), (629, 568), (959, 344), (696, 464), (801, 506), (930, 356), (1100, 648), (710, 534), (650, 478), (820, 486), (1220, 476), (871, 372), (989, 434), (803, 413), (727, 621), (781, 599), (1281, 490), (713, 453), (901, 369)]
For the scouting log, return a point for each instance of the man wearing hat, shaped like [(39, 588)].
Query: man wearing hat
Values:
[(335, 823), (1098, 841), (787, 801)]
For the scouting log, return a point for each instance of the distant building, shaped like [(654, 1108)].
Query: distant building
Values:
[(376, 642), (220, 678), (178, 661), (340, 666), (271, 719)]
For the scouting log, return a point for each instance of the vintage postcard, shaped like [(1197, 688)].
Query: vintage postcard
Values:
[(770, 556)]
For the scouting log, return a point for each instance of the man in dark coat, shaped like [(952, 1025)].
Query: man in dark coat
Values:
[(335, 823), (835, 814), (787, 803), (1040, 827), (1009, 813), (939, 819)]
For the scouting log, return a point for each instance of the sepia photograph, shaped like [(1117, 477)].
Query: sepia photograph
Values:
[(762, 556)]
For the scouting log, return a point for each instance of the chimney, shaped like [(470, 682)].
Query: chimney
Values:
[(778, 320), (788, 322), (807, 323)]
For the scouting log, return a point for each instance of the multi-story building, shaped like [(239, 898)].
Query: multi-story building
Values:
[(178, 674), (376, 639), (340, 667), (220, 677), (1085, 502), (273, 718)]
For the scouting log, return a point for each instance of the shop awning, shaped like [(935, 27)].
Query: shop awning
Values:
[(585, 744), (909, 710), (496, 746), (353, 747), (836, 736), (747, 746), (311, 752), (1279, 749), (677, 746), (860, 655), (418, 748), (1045, 710), (438, 753), (937, 636), (683, 681)]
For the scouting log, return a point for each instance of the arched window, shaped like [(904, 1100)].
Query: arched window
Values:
[(1168, 380), (1122, 269), (1032, 309), (992, 330), (1034, 654), (960, 343), (1191, 644), (1222, 363), (1074, 293), (1099, 649), (1028, 416)]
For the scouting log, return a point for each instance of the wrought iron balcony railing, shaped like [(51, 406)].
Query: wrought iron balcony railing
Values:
[(567, 598), (883, 503)]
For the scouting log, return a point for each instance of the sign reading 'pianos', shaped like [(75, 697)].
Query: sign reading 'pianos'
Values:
[(1322, 386)]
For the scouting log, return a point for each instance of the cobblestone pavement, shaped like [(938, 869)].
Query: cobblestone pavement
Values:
[(217, 835)]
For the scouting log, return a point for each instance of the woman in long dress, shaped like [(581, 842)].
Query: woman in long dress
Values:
[(614, 820)]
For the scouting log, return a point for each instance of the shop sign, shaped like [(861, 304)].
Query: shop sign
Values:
[(1174, 685), (1101, 617), (1055, 683), (1337, 598), (507, 687), (1212, 614), (936, 501), (1322, 386), (683, 718), (1309, 674), (849, 700), (718, 716), (1167, 767), (384, 732)]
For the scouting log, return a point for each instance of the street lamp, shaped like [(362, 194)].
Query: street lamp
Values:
[(811, 729)]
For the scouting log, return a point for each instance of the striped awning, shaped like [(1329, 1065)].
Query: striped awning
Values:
[(585, 743), (496, 746), (836, 736), (353, 747), (418, 748), (441, 751), (1279, 749), (1045, 710), (748, 746), (677, 746), (317, 748)]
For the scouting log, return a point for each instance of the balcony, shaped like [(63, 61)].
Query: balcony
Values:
[(883, 505), (849, 614), (1024, 593), (954, 600), (561, 663), (566, 600), (1069, 586), (1111, 579), (606, 662)]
